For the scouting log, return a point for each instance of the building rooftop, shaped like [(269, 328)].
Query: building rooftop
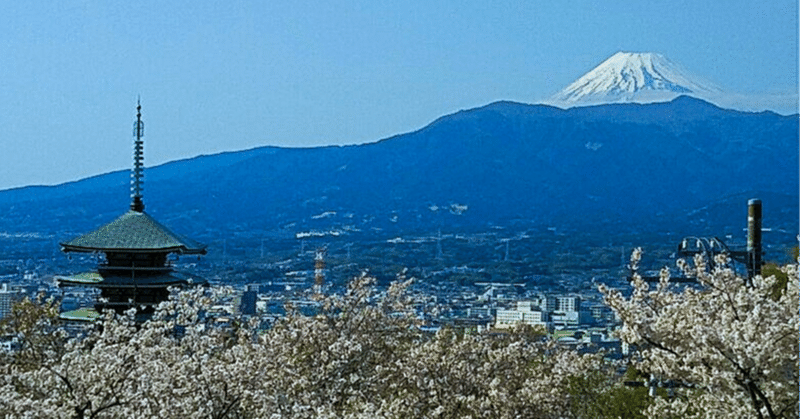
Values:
[(134, 232), (159, 280), (83, 314), (127, 281)]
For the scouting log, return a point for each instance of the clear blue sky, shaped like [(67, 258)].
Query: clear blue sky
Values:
[(228, 75)]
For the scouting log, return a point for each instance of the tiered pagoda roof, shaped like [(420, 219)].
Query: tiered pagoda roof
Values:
[(135, 232), (159, 280)]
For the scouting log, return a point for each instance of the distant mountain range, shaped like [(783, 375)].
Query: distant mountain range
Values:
[(685, 165)]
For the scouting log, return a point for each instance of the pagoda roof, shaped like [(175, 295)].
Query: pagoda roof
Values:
[(83, 314), (134, 232), (96, 280)]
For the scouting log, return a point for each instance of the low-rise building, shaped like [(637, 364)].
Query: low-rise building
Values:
[(8, 297), (525, 313)]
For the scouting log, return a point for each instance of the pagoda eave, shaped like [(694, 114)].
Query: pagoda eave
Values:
[(101, 285), (96, 280), (180, 250)]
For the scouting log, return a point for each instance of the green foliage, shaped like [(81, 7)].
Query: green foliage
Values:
[(596, 396), (621, 402), (782, 279), (37, 327)]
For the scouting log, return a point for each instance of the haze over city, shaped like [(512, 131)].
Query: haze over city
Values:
[(221, 77)]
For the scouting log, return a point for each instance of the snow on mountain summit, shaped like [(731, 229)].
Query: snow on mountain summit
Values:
[(634, 77)]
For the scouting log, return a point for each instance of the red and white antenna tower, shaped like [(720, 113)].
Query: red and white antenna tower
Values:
[(319, 270)]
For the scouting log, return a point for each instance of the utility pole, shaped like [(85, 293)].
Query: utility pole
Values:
[(439, 246)]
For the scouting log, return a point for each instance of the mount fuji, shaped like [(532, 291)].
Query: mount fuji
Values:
[(628, 77)]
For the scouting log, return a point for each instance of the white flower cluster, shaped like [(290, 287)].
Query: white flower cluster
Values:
[(361, 356), (729, 345)]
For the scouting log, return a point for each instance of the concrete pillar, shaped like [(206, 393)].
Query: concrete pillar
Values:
[(753, 237)]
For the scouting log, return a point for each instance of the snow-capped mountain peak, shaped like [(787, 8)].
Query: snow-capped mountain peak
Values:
[(634, 77)]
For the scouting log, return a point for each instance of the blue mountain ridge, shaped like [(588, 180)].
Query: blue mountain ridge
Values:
[(622, 166)]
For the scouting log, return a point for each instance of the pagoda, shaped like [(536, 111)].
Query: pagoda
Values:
[(136, 270)]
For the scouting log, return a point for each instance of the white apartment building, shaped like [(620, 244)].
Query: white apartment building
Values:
[(568, 303), (546, 311), (7, 299), (527, 312)]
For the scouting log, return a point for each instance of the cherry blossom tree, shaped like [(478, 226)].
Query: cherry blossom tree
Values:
[(361, 356), (728, 344)]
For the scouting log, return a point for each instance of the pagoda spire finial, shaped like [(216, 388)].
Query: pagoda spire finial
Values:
[(138, 161)]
